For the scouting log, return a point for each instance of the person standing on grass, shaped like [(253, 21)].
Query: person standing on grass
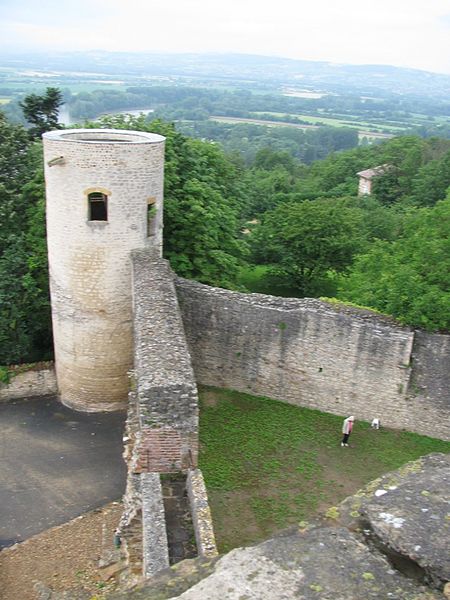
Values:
[(347, 429)]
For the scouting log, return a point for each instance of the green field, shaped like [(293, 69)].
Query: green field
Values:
[(344, 121), (318, 121), (268, 465), (237, 120)]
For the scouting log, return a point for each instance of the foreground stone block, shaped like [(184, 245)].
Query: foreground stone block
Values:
[(407, 513), (321, 563)]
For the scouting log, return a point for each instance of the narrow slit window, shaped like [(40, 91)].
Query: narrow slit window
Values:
[(98, 206), (151, 214)]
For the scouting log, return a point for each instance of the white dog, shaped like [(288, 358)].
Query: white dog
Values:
[(376, 423)]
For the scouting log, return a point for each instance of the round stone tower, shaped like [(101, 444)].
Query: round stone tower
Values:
[(104, 191)]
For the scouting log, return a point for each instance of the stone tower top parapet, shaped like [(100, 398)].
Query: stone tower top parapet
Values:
[(95, 136)]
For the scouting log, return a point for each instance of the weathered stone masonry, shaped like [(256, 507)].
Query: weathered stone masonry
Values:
[(162, 425), (319, 355), (430, 377), (165, 385), (89, 264)]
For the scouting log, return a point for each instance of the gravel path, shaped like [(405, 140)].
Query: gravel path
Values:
[(77, 556)]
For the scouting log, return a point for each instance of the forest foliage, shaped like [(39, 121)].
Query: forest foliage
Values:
[(297, 225)]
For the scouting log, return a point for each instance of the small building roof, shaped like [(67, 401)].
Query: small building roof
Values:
[(370, 173)]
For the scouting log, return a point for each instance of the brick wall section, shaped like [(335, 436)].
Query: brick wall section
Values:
[(166, 391), (314, 354), (165, 450), (32, 383)]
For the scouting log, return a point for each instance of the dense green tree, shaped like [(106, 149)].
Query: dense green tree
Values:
[(409, 170), (201, 232), (267, 189), (410, 276), (14, 145), (25, 326), (42, 111), (387, 188), (431, 182), (17, 166), (268, 159), (203, 200), (25, 332), (335, 176), (379, 222), (25, 329), (309, 240)]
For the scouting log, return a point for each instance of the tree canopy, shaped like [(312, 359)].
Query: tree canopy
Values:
[(42, 111), (308, 240), (408, 277)]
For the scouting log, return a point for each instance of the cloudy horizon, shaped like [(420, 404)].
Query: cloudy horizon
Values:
[(410, 34)]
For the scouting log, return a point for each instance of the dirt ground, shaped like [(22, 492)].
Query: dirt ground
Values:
[(78, 555)]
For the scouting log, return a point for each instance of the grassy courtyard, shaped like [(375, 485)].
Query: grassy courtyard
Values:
[(268, 465)]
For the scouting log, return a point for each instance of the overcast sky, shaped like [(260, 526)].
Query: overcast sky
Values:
[(407, 33)]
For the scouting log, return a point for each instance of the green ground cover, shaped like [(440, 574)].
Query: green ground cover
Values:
[(266, 123), (326, 121), (258, 280), (273, 113), (268, 465)]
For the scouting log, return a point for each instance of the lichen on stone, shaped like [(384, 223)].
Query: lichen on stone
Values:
[(332, 513)]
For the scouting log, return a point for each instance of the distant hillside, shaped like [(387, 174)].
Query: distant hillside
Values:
[(340, 78)]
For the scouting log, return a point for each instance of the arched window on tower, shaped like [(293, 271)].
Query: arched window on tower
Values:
[(97, 206)]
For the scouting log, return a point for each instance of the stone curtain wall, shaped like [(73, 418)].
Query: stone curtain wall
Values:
[(318, 355), (430, 379), (165, 386), (31, 383)]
